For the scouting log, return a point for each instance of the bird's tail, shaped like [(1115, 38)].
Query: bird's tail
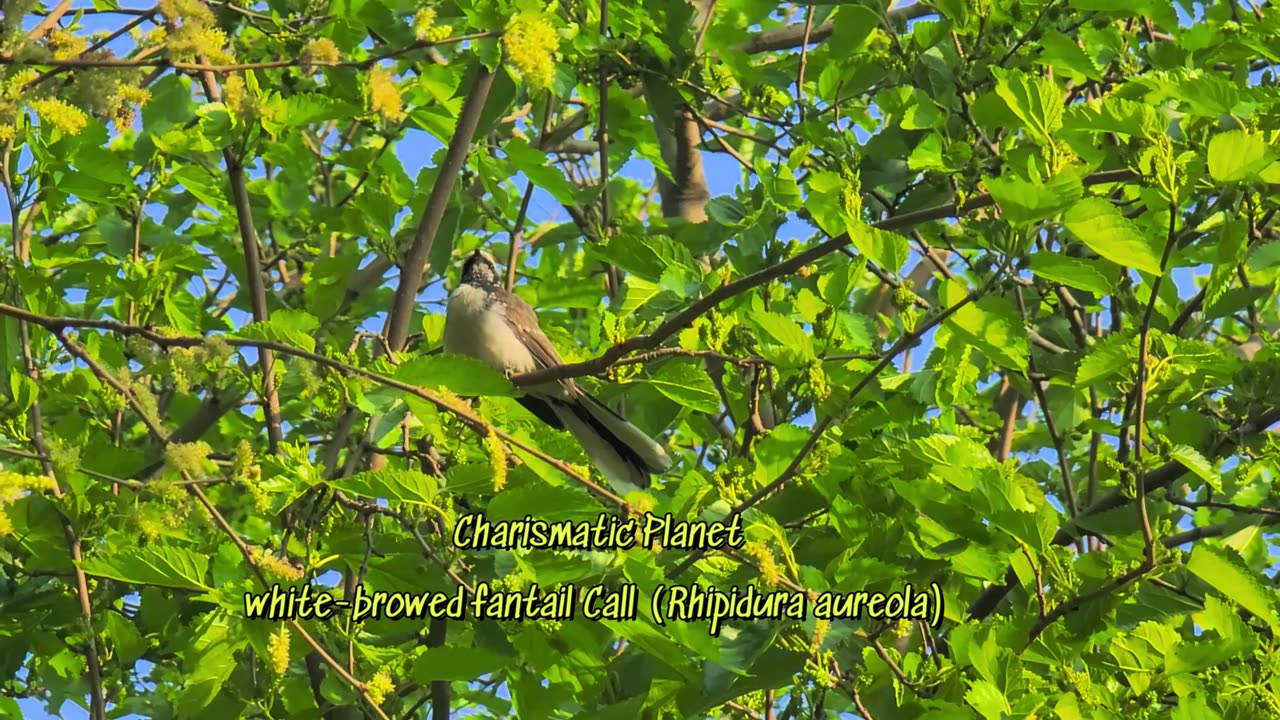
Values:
[(625, 455)]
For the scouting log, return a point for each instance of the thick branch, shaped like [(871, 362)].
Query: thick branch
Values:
[(59, 324), (415, 261), (689, 315), (253, 275), (793, 36)]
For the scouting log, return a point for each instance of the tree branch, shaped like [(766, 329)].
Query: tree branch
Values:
[(58, 324), (793, 36), (415, 260), (686, 317), (253, 274)]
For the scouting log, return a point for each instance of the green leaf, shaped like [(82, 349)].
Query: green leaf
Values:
[(825, 203), (726, 211), (463, 478), (1110, 356), (1092, 275), (461, 664), (201, 184), (985, 697), (291, 327), (123, 636), (1099, 225), (543, 502), (1229, 576), (1233, 241), (1024, 202), (23, 389), (779, 184), (305, 108), (1062, 53), (648, 257), (887, 249), (1035, 100), (688, 385), (391, 484), (163, 565), (209, 661), (533, 163), (1191, 459), (458, 374), (1207, 95), (1113, 114), (792, 344), (991, 323), (1237, 156)]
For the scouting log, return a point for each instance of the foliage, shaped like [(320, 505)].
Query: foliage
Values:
[(993, 307)]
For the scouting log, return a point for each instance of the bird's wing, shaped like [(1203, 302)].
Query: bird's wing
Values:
[(524, 324)]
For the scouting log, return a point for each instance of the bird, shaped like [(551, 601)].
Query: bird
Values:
[(486, 322)]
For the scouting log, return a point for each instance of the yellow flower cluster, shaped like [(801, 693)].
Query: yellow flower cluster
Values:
[(196, 33), (767, 564), (450, 400), (423, 22), (278, 649), (153, 37), (186, 11), (10, 94), (533, 47), (149, 529), (641, 503), (320, 51), (236, 96), (124, 103), (384, 96), (380, 686), (275, 566), (425, 28), (819, 387), (191, 41), (851, 193), (253, 483), (497, 459), (65, 44), (67, 118), (12, 487), (140, 388), (190, 458), (242, 460), (820, 629)]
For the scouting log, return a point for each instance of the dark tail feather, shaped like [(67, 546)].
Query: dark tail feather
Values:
[(619, 449)]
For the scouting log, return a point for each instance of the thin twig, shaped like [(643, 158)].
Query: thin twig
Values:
[(1144, 332), (50, 21), (21, 248), (1068, 486), (1035, 567), (804, 59), (517, 234)]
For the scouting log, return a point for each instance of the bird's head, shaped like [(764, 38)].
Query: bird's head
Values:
[(480, 270)]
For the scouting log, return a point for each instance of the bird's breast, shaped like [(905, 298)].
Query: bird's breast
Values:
[(477, 327)]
